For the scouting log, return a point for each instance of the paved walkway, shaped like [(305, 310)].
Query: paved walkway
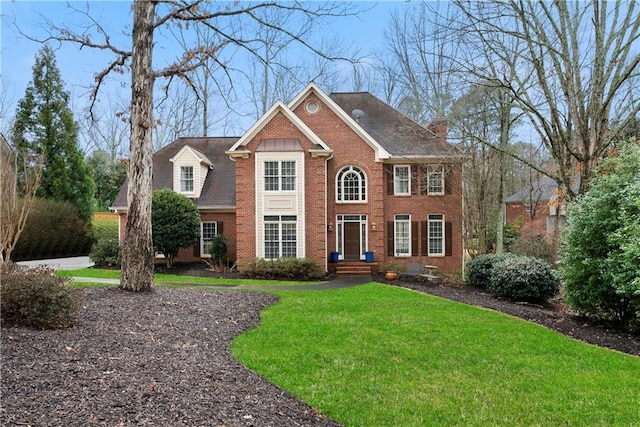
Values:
[(61, 263)]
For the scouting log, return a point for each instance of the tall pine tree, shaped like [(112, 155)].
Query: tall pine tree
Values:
[(44, 125)]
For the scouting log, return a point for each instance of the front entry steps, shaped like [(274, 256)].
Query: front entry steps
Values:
[(353, 268)]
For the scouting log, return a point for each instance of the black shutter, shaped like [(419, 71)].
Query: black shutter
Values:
[(220, 228), (423, 237), (390, 238), (388, 171), (448, 176), (415, 186), (448, 239), (414, 238)]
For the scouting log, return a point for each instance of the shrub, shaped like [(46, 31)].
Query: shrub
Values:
[(53, 230), (104, 226), (106, 253), (284, 269), (600, 256), (521, 278), (480, 268), (37, 298), (218, 249)]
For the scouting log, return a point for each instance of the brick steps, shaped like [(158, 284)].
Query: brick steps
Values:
[(354, 268)]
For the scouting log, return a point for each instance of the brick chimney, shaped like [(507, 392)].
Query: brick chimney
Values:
[(438, 127)]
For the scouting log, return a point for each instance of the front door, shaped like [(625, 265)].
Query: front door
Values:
[(352, 236), (352, 240)]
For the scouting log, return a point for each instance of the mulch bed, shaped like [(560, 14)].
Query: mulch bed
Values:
[(164, 359)]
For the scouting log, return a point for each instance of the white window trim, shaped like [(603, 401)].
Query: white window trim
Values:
[(280, 241), (433, 169), (363, 179), (395, 234), (279, 176), (442, 238), (203, 253), (395, 180), (193, 179)]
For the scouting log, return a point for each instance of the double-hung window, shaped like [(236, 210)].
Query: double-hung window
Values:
[(401, 180), (351, 185), (280, 236), (208, 229), (186, 179), (436, 234), (279, 175), (435, 179), (402, 235)]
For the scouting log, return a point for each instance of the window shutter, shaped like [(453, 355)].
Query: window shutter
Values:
[(196, 248), (414, 238), (414, 180), (388, 171), (448, 239), (219, 228), (448, 176), (390, 238), (423, 237)]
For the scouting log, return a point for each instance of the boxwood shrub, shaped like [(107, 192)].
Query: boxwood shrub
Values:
[(106, 253), (284, 269), (35, 297), (526, 279), (479, 269)]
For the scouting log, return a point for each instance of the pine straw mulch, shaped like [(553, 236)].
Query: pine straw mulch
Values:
[(164, 359)]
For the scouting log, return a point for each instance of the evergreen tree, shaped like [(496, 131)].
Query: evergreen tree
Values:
[(44, 125)]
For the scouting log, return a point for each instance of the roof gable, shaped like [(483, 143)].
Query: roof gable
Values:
[(312, 88), (187, 152), (238, 149)]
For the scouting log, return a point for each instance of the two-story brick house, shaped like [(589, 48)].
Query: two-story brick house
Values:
[(326, 176)]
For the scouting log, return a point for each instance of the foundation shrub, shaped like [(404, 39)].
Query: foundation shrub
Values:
[(284, 269), (526, 279), (36, 298)]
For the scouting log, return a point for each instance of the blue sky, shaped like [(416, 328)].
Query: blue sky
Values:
[(78, 66)]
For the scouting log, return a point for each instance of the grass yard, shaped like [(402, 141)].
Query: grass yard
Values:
[(165, 279), (376, 355)]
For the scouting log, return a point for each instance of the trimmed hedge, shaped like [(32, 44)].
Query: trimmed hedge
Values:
[(521, 278), (53, 230), (35, 297), (284, 269)]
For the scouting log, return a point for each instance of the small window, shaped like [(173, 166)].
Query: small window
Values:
[(207, 231), (435, 179), (436, 235), (186, 179), (312, 107), (402, 235), (401, 180)]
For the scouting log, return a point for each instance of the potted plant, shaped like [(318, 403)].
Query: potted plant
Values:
[(391, 270)]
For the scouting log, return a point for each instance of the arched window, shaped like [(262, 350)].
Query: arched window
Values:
[(351, 185)]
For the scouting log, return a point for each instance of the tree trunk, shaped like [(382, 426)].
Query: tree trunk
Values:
[(137, 248)]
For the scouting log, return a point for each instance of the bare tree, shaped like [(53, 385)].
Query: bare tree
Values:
[(577, 73), (150, 19), (15, 199)]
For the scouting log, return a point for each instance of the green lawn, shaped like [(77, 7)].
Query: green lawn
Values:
[(164, 279), (377, 355)]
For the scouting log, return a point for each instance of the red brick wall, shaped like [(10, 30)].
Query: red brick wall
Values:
[(536, 226)]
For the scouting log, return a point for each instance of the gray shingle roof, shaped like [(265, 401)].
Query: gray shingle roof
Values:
[(219, 189), (398, 134)]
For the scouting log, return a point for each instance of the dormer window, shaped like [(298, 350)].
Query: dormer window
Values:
[(186, 179)]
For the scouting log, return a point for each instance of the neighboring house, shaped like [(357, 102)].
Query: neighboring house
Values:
[(536, 208), (341, 177)]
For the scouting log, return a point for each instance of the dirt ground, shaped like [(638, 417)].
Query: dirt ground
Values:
[(164, 359)]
